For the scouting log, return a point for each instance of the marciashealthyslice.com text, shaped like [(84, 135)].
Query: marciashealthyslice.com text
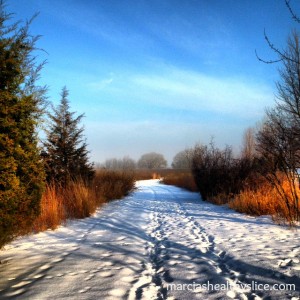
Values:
[(253, 286)]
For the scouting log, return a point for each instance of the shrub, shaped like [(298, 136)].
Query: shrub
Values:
[(216, 172)]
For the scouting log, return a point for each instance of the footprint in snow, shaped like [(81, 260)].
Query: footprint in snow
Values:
[(45, 267), (106, 255), (128, 279), (89, 277), (86, 289), (16, 293), (21, 284), (118, 292), (106, 274)]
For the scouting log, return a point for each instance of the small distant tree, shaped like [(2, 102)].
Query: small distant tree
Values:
[(66, 153), (249, 144), (21, 105), (111, 164), (152, 160), (126, 163), (183, 159)]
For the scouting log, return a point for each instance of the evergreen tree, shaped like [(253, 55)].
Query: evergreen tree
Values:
[(66, 152), (21, 169)]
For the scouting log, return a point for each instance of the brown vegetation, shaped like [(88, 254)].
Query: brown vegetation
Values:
[(144, 174), (79, 200), (180, 178), (265, 200), (183, 179)]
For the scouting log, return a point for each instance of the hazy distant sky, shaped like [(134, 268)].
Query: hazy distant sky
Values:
[(159, 75)]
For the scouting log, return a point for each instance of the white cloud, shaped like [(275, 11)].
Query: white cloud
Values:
[(174, 88), (199, 92)]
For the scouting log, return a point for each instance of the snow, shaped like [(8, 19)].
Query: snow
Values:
[(161, 242)]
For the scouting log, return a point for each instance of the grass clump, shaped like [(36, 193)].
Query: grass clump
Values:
[(78, 199), (182, 179)]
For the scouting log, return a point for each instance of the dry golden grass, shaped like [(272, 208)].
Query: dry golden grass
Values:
[(220, 199), (144, 174), (111, 185), (79, 200), (183, 179), (180, 178), (265, 200), (259, 202), (52, 210)]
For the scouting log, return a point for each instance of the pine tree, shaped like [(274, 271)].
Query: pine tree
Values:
[(21, 169), (66, 153)]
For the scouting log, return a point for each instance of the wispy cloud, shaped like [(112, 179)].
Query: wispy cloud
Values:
[(102, 83), (189, 90), (184, 31)]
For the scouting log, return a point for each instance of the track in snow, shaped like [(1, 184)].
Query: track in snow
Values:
[(137, 247)]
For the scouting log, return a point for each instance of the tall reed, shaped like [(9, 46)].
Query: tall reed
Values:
[(265, 200), (79, 200)]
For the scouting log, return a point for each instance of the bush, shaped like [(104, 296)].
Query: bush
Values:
[(215, 171)]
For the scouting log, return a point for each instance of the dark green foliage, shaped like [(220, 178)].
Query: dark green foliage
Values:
[(21, 169), (66, 152)]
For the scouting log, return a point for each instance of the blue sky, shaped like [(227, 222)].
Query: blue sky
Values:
[(159, 75)]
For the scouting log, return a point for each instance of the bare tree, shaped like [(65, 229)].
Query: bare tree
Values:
[(279, 137), (125, 163), (152, 160), (183, 159), (215, 171), (249, 144)]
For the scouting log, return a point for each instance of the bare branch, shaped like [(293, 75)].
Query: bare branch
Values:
[(294, 16), (283, 56), (267, 61)]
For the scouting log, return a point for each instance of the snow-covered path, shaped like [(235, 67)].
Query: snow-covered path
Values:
[(159, 243)]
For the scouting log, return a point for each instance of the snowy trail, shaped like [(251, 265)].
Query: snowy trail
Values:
[(150, 244)]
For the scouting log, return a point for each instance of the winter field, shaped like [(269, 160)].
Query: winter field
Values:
[(161, 242)]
